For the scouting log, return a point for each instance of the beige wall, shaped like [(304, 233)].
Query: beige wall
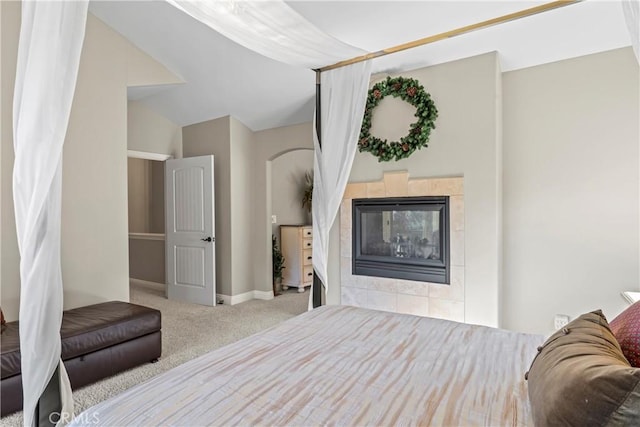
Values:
[(146, 215), (145, 194), (157, 198), (241, 207), (94, 174), (287, 185), (94, 197), (268, 145), (144, 71), (150, 132), (213, 137), (147, 260), (466, 142), (571, 175), (138, 195)]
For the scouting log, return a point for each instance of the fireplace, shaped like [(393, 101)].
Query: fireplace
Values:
[(402, 237)]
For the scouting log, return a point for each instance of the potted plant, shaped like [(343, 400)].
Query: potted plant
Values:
[(307, 191), (278, 265)]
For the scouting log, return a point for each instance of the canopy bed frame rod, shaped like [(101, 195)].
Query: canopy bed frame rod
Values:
[(453, 33), (317, 283)]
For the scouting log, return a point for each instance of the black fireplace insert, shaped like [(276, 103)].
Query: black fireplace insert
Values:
[(402, 237)]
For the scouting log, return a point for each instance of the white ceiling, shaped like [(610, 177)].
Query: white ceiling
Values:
[(223, 78)]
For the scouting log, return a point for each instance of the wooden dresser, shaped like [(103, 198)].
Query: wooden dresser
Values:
[(296, 242)]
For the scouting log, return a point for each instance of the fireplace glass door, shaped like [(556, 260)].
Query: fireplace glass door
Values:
[(406, 238)]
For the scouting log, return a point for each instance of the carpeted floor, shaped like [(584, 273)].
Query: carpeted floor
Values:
[(188, 331)]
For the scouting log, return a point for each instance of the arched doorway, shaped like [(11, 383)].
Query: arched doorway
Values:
[(287, 172)]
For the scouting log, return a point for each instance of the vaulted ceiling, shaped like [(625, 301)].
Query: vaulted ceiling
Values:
[(222, 78)]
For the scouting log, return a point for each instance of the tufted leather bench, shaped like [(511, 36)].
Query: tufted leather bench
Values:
[(97, 341)]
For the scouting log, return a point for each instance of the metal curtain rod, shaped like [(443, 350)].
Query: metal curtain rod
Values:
[(453, 33)]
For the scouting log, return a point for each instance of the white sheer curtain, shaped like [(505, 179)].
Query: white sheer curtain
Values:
[(343, 95), (51, 37), (271, 28), (631, 9)]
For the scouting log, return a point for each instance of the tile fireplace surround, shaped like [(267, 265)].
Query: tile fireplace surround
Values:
[(406, 296)]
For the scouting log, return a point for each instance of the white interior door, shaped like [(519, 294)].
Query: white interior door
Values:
[(190, 231)]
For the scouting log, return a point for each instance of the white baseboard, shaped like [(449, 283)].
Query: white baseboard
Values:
[(226, 299), (264, 295), (244, 297), (234, 299), (148, 284)]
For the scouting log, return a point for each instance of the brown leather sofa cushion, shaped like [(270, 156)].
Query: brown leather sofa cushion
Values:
[(10, 351), (94, 327), (581, 378), (85, 330)]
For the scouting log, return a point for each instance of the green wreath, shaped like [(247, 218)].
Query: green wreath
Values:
[(408, 90)]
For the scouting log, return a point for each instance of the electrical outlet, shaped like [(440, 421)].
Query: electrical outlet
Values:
[(274, 219), (560, 321)]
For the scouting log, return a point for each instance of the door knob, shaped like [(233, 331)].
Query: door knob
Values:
[(208, 239)]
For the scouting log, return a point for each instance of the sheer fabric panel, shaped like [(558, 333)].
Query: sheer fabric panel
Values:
[(343, 99), (51, 37), (270, 28), (631, 9)]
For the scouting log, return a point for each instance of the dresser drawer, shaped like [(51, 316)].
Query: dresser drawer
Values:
[(296, 244), (307, 258), (307, 275)]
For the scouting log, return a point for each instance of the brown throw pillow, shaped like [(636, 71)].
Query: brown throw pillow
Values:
[(2, 321), (581, 378)]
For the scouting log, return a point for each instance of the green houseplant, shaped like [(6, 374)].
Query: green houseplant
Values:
[(307, 190), (278, 264)]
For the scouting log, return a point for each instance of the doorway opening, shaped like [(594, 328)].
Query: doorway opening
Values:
[(289, 173), (146, 213)]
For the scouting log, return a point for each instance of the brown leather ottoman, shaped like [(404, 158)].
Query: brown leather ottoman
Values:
[(97, 341)]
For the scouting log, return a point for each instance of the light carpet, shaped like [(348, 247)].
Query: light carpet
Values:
[(188, 331)]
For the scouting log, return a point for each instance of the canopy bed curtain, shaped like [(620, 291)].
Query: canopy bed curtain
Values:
[(631, 9), (341, 103), (271, 28), (51, 37)]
